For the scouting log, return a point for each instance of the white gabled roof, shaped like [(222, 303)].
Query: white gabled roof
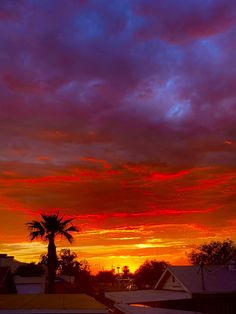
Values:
[(211, 279), (167, 273)]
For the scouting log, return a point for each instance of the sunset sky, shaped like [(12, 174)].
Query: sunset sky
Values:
[(122, 114)]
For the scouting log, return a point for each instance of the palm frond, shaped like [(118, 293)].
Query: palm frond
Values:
[(60, 218), (36, 226), (50, 226), (44, 217), (67, 236), (67, 221), (32, 223), (72, 228), (35, 234), (51, 222)]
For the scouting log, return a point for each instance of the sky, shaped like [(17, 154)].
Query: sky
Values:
[(120, 114)]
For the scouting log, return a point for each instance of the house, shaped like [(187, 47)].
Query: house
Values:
[(198, 280), (7, 284), (212, 287), (208, 289), (30, 285), (50, 303), (9, 261)]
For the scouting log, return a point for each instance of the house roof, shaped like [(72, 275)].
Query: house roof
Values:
[(145, 296), (127, 309), (209, 279), (28, 280), (50, 303), (9, 261)]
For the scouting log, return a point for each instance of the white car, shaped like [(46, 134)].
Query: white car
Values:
[(132, 287)]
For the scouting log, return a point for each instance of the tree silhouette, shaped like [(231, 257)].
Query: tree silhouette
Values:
[(47, 229), (125, 272), (149, 272), (68, 265), (67, 262), (213, 253), (29, 270), (43, 259), (105, 276)]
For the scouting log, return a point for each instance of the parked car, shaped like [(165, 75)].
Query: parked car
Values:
[(132, 287)]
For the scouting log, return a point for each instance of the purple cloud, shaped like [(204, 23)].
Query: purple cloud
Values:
[(131, 81)]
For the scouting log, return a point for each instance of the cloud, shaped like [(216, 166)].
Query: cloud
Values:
[(181, 21), (103, 196), (121, 114)]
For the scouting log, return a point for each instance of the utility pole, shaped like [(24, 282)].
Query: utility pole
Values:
[(118, 270), (202, 276)]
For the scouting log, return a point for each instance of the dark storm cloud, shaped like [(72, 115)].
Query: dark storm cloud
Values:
[(118, 80), (180, 21)]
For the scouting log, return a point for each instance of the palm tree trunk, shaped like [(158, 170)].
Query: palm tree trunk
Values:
[(52, 264)]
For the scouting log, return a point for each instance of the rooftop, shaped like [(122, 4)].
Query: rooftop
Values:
[(127, 309), (145, 296), (209, 279), (28, 280), (50, 303)]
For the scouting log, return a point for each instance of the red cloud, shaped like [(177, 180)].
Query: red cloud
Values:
[(168, 176)]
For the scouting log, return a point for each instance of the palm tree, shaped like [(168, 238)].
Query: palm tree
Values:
[(47, 229)]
